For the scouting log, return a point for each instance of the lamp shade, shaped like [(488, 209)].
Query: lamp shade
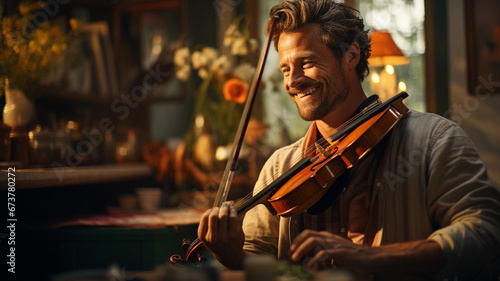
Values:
[(385, 51)]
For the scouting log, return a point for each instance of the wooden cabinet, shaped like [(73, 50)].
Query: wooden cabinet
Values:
[(45, 253), (77, 176), (46, 244)]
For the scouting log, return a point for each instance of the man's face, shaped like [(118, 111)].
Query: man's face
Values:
[(312, 76)]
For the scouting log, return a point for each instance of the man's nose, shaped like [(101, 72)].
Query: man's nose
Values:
[(295, 77)]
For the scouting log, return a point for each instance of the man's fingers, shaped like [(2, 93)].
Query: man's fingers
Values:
[(313, 253), (301, 238), (223, 223), (321, 260), (304, 248), (234, 227), (221, 233), (233, 218), (316, 246), (203, 227), (218, 224), (213, 225)]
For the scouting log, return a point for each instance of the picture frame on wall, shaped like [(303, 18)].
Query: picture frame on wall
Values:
[(483, 46), (146, 35), (95, 73)]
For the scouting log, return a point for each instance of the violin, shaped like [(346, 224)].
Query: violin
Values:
[(309, 179), (342, 152), (306, 181)]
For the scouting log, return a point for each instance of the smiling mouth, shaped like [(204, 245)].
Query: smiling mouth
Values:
[(307, 93)]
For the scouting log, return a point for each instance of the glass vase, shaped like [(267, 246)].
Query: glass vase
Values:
[(18, 108)]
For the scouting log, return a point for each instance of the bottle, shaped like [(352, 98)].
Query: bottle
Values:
[(19, 145), (4, 142)]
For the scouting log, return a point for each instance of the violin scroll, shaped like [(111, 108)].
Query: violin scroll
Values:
[(193, 254)]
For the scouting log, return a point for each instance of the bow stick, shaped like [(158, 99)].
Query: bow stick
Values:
[(232, 162)]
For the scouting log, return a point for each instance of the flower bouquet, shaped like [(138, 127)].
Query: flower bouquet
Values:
[(29, 48), (222, 93), (224, 80)]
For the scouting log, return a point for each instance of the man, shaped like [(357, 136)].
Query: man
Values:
[(419, 205)]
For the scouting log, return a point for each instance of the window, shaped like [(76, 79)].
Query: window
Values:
[(404, 19)]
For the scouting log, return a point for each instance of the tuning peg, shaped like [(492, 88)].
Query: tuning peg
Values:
[(185, 244)]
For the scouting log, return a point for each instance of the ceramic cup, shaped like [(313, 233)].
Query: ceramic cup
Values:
[(149, 198)]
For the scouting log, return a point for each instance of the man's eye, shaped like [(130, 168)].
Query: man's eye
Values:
[(285, 71), (307, 64)]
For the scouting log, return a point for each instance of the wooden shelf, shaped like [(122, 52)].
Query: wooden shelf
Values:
[(64, 96), (49, 177)]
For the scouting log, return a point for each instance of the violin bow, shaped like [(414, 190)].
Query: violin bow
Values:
[(232, 162)]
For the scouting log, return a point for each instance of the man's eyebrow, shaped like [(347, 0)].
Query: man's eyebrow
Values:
[(306, 55), (283, 64), (301, 56)]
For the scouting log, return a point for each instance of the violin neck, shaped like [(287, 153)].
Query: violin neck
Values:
[(368, 115)]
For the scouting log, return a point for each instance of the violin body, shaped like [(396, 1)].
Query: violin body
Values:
[(307, 187)]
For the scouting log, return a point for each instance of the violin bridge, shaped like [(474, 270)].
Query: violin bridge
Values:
[(322, 150)]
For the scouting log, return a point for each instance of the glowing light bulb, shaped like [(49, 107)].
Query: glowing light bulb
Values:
[(402, 86), (389, 69), (375, 78), (199, 121)]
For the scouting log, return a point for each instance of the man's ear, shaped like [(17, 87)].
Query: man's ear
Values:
[(352, 55)]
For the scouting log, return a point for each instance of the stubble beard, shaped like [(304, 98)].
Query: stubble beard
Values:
[(319, 108)]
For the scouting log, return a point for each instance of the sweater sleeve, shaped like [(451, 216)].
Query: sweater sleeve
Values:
[(261, 228), (464, 205)]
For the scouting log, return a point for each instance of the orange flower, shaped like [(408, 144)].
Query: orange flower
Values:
[(235, 90)]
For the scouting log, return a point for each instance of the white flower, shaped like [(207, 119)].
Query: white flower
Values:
[(245, 72), (182, 72), (210, 53), (232, 33), (253, 44), (232, 29), (228, 41), (203, 73), (222, 65), (203, 60), (181, 56), (198, 60), (182, 63), (239, 46)]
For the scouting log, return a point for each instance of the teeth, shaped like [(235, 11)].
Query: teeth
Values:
[(307, 93)]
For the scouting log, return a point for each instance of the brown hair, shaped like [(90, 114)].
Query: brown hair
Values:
[(340, 26)]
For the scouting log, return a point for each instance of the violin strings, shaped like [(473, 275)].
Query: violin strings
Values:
[(323, 141), (309, 150)]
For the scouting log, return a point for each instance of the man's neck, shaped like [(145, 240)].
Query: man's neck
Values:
[(331, 123)]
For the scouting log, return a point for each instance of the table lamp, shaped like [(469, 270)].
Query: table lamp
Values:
[(385, 53)]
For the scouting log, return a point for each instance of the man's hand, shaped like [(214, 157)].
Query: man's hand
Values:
[(320, 250), (221, 232), (323, 249)]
